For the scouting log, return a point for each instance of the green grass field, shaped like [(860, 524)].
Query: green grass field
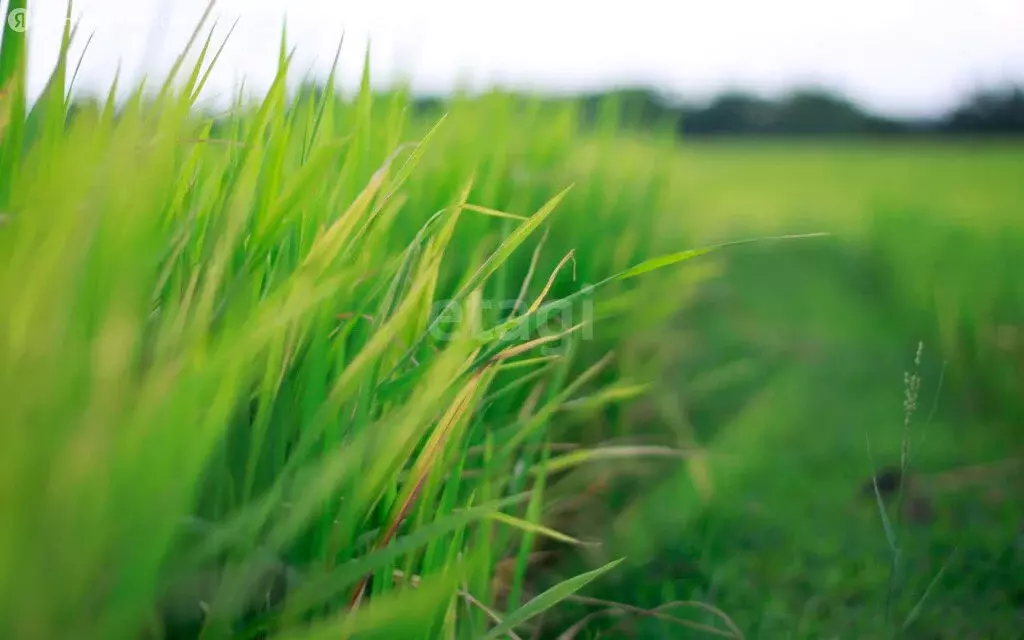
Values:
[(319, 369), (790, 362), (794, 362)]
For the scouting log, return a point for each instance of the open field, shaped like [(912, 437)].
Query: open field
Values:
[(794, 360), (395, 370)]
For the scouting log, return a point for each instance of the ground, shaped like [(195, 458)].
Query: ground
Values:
[(810, 346)]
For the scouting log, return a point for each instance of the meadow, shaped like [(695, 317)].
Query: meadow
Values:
[(791, 373), (320, 367)]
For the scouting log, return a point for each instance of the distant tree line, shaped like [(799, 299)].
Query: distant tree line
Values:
[(809, 112), (812, 112)]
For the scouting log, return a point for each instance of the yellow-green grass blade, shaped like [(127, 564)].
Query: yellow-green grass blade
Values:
[(548, 599)]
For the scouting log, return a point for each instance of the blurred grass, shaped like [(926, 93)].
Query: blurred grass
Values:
[(794, 359), (324, 348), (311, 349)]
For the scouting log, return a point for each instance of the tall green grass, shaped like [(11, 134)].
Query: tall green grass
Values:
[(934, 226), (961, 283), (310, 348)]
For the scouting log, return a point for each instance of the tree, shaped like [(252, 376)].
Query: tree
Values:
[(989, 112)]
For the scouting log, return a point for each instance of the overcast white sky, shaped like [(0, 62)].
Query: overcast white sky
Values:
[(900, 56)]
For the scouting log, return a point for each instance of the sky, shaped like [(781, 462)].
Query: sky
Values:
[(902, 57)]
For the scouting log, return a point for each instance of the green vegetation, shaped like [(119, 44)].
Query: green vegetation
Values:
[(816, 112), (309, 340), (321, 367), (790, 364)]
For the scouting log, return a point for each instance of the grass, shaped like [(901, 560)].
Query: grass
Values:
[(790, 360), (448, 378), (318, 352)]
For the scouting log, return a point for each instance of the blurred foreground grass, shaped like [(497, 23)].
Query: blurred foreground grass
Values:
[(393, 369), (308, 349)]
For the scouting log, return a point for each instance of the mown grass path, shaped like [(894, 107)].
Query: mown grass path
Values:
[(789, 545)]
